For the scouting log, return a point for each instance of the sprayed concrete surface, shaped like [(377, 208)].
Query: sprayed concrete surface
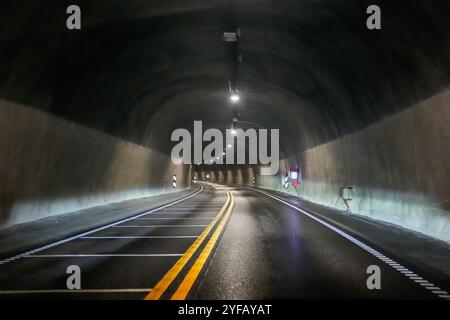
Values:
[(50, 166), (399, 169)]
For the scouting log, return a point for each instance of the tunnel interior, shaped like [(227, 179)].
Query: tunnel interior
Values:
[(88, 114)]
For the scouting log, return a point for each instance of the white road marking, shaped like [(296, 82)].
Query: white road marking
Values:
[(355, 241), (189, 211), (400, 268), (142, 237), (45, 291), (427, 285), (194, 206), (102, 255), (165, 226), (57, 243), (178, 218), (181, 213)]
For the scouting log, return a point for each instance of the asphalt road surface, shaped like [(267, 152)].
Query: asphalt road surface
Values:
[(222, 243)]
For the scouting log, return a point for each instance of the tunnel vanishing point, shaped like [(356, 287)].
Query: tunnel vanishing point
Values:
[(86, 122)]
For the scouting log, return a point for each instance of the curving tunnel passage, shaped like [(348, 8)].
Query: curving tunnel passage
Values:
[(86, 118)]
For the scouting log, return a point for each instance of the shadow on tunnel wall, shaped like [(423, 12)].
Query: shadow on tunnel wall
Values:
[(51, 166)]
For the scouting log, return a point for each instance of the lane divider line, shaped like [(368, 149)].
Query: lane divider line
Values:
[(395, 265), (187, 207), (165, 226), (103, 255), (187, 211), (189, 280), (139, 237), (174, 218), (170, 276), (47, 291), (57, 243), (181, 214)]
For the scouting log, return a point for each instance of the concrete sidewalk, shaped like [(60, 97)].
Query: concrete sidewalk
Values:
[(27, 236), (431, 256)]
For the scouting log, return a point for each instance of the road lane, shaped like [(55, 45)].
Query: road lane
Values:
[(124, 260), (264, 249)]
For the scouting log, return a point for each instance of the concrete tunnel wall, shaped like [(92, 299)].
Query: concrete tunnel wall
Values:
[(399, 167), (51, 166)]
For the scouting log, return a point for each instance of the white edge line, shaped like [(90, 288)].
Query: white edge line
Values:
[(57, 243), (338, 231)]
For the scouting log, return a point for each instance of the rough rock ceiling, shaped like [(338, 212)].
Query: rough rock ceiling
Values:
[(140, 68)]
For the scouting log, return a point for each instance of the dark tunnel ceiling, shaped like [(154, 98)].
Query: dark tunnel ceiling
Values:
[(139, 69)]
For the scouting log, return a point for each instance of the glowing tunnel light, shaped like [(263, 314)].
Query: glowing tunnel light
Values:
[(235, 98)]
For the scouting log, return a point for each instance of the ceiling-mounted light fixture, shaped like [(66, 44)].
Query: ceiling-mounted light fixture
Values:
[(230, 36), (235, 98), (234, 37)]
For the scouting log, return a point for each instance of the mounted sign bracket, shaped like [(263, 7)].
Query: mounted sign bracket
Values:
[(346, 194)]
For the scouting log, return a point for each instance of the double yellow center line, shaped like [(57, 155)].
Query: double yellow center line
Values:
[(190, 278)]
